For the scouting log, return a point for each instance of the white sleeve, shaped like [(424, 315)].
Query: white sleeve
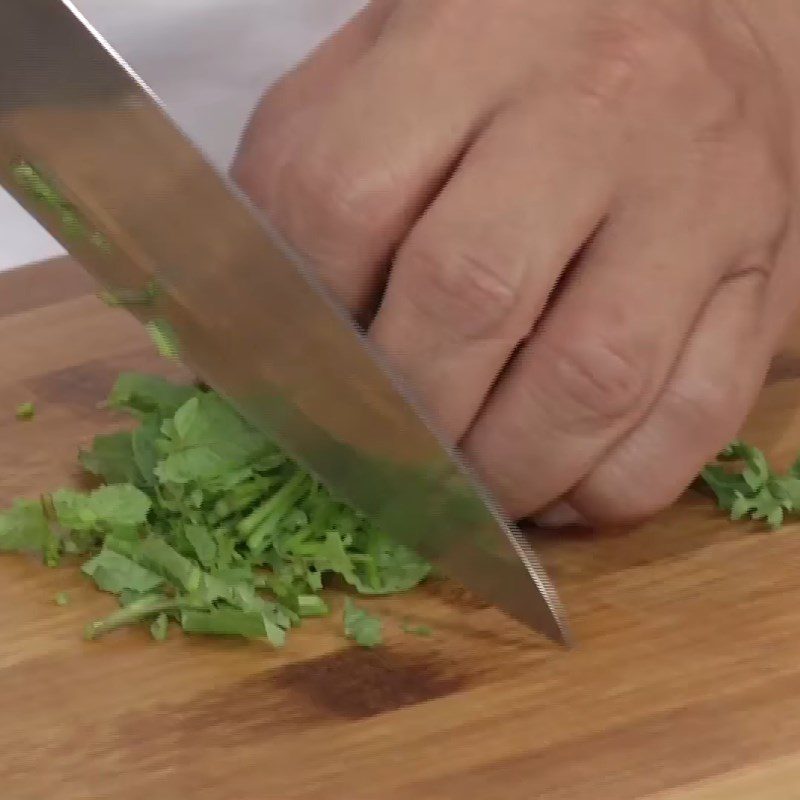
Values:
[(208, 60)]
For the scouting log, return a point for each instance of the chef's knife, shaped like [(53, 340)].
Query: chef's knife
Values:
[(88, 150)]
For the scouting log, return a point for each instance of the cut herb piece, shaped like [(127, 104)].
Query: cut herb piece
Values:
[(416, 630), (25, 412), (24, 528), (146, 607), (364, 628), (206, 521), (232, 622), (142, 395), (61, 599), (127, 298), (752, 490), (164, 338), (111, 458), (115, 573), (312, 605), (160, 627)]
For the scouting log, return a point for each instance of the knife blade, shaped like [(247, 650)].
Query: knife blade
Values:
[(86, 147)]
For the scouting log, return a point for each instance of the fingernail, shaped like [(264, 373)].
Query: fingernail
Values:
[(561, 515)]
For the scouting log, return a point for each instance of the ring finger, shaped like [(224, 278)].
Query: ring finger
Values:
[(602, 353)]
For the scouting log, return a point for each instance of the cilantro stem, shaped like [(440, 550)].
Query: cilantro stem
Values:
[(264, 520), (138, 610)]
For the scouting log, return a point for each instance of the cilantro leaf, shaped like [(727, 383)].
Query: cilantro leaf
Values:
[(147, 394), (106, 508), (206, 439), (362, 627), (753, 490), (203, 543), (24, 527), (111, 458), (113, 572)]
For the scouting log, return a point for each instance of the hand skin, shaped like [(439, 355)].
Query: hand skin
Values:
[(571, 226)]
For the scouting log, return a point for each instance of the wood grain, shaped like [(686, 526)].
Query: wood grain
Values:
[(685, 684)]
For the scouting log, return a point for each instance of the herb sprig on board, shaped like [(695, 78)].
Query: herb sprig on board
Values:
[(748, 488)]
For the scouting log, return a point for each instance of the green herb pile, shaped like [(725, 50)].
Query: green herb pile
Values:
[(204, 522)]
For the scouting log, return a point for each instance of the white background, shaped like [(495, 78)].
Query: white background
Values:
[(208, 60)]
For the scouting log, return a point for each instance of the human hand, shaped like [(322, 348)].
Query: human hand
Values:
[(571, 227)]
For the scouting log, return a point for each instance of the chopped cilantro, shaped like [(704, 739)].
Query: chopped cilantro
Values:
[(364, 628), (25, 412), (115, 573), (234, 622), (204, 522), (416, 630), (748, 488), (127, 298), (61, 599), (160, 627), (43, 192), (164, 338), (312, 605)]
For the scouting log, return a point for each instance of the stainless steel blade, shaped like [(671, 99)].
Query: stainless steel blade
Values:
[(139, 206)]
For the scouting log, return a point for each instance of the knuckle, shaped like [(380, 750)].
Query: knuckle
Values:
[(709, 414), (472, 294), (765, 177), (597, 380), (264, 147), (251, 172), (326, 200), (627, 47), (646, 51), (709, 409)]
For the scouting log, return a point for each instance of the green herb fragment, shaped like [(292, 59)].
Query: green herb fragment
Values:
[(133, 612), (42, 191), (747, 488), (127, 298), (24, 528), (115, 573), (159, 628), (25, 412), (232, 622), (311, 605), (364, 628), (416, 630), (205, 522), (164, 338), (61, 599)]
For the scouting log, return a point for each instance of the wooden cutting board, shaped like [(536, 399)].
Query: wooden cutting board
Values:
[(684, 685)]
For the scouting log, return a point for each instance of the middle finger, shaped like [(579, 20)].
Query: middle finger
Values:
[(476, 271)]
